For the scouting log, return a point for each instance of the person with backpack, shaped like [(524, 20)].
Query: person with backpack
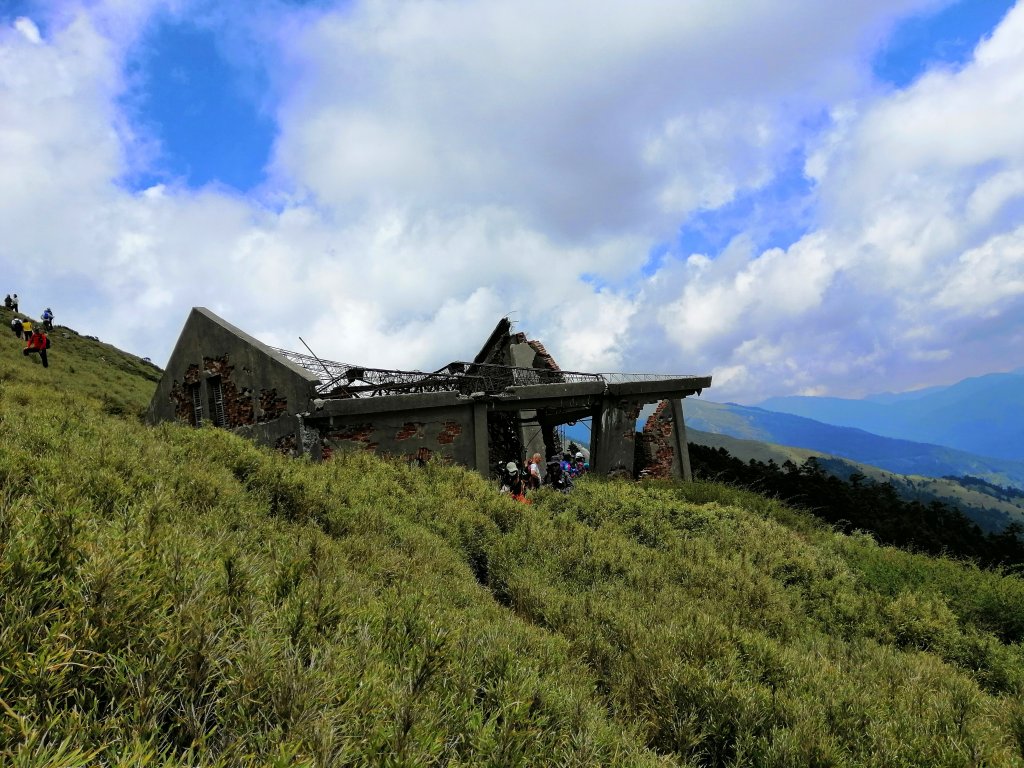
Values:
[(556, 478), (512, 482), (16, 326), (38, 343), (579, 466), (48, 319), (26, 328)]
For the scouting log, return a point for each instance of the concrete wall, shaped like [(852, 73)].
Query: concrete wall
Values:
[(456, 432), (261, 391)]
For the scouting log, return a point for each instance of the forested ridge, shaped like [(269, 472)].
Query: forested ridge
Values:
[(862, 504)]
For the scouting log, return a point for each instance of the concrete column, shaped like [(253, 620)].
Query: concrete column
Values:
[(480, 438), (531, 436), (614, 438), (548, 431), (682, 449)]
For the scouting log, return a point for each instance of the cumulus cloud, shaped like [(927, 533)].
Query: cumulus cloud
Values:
[(439, 164), (918, 240)]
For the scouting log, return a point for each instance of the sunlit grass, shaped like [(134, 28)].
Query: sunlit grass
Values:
[(172, 596)]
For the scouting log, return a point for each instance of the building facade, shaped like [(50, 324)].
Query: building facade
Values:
[(506, 403)]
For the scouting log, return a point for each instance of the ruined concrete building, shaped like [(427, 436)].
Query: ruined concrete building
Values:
[(504, 404)]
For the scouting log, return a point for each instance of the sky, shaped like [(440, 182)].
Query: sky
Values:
[(802, 198)]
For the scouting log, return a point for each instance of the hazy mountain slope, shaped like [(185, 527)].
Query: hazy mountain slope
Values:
[(989, 512), (982, 415), (901, 456)]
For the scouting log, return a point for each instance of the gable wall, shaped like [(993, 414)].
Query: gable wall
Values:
[(258, 386)]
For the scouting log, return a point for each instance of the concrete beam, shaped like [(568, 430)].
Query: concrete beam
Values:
[(664, 389), (554, 391), (385, 404)]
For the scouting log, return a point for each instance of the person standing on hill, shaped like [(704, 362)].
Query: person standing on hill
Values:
[(38, 343), (14, 302), (26, 328), (48, 319), (8, 303), (16, 326)]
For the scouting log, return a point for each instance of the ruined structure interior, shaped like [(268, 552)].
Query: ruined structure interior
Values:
[(505, 403)]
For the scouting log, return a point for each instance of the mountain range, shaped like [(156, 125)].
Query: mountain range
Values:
[(982, 415), (903, 456)]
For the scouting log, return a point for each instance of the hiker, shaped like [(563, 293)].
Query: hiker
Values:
[(512, 481), (579, 466), (16, 326), (38, 343), (14, 302), (556, 478), (8, 303), (535, 478), (26, 328), (48, 319), (566, 464)]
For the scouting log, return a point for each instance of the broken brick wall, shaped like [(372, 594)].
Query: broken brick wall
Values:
[(239, 408), (656, 451), (181, 396)]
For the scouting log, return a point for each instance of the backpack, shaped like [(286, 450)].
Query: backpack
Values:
[(555, 477)]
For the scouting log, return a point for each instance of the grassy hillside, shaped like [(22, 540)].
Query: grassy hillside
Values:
[(181, 597), (993, 509)]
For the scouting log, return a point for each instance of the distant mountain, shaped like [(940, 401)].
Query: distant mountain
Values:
[(983, 415), (990, 507), (904, 457)]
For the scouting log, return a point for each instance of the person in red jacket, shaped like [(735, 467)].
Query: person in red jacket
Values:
[(37, 342)]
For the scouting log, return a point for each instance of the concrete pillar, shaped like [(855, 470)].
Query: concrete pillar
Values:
[(681, 465), (548, 431), (530, 434), (614, 438), (480, 439)]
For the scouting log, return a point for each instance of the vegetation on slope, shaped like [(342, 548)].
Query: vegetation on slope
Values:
[(173, 596), (992, 507), (862, 504)]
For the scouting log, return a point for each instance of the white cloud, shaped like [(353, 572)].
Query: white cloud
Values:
[(28, 29), (442, 163), (919, 227)]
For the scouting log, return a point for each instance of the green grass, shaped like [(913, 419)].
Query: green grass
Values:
[(172, 596)]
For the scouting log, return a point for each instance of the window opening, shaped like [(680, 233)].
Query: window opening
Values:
[(216, 401), (197, 405)]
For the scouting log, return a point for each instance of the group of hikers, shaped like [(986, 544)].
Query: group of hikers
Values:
[(35, 334), (517, 480)]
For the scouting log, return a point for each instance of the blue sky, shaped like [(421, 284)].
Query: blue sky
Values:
[(202, 109), (208, 111), (725, 192)]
